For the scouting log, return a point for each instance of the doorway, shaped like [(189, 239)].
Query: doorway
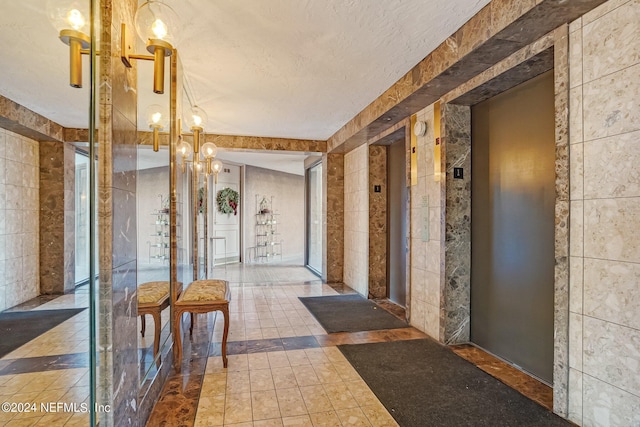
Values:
[(512, 225), (397, 223)]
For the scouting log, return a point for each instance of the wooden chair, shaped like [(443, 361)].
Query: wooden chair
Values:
[(202, 296)]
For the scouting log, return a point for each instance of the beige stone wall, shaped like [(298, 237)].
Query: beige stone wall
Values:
[(19, 226), (356, 219), (426, 256), (604, 327)]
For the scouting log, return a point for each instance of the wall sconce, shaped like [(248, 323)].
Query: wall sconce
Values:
[(158, 120), (158, 25), (184, 149), (209, 151), (71, 19), (216, 167), (196, 122)]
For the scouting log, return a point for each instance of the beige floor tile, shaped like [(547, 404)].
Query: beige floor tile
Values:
[(378, 416), (247, 424), (340, 396), (236, 362), (214, 384), (297, 357), (316, 356), (325, 419), (237, 408), (299, 421), (353, 417), (305, 375), (210, 411), (264, 405), (261, 380), (362, 393), (238, 382), (278, 359), (274, 422), (290, 402), (316, 399), (283, 377), (215, 366), (78, 420), (268, 333), (23, 422), (53, 420), (334, 355), (327, 373), (346, 371), (258, 361)]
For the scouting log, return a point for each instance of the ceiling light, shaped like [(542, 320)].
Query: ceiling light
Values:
[(209, 151), (71, 19), (216, 167)]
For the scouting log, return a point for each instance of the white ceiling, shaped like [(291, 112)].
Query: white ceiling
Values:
[(281, 68)]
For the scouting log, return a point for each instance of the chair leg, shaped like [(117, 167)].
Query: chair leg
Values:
[(156, 336), (225, 313), (177, 339), (193, 319), (144, 324)]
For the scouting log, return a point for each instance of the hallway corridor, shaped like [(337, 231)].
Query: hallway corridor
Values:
[(284, 369)]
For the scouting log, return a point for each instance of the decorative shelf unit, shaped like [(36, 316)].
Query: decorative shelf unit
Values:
[(268, 242), (159, 246)]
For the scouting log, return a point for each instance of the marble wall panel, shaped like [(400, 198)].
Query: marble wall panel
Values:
[(118, 374), (611, 291), (455, 128), (611, 229), (57, 217), (19, 198), (611, 104), (356, 213), (377, 261), (610, 42), (601, 178), (333, 212), (575, 396), (606, 405), (612, 354)]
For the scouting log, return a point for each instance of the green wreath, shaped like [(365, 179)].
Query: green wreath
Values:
[(227, 200)]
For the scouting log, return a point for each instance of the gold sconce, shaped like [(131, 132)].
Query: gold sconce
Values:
[(216, 167), (184, 149), (157, 24), (209, 151), (71, 19), (196, 121), (158, 120)]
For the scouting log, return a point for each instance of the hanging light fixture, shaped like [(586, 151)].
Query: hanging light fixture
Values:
[(196, 121), (71, 19), (158, 120)]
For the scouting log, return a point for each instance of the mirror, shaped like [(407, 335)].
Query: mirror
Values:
[(153, 222)]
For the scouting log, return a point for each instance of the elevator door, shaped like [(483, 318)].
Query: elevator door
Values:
[(397, 223), (513, 197)]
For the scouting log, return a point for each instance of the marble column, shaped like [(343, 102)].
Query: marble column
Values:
[(57, 217), (333, 213), (117, 242), (378, 221), (455, 130)]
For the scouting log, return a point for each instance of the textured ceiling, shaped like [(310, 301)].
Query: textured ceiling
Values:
[(281, 68)]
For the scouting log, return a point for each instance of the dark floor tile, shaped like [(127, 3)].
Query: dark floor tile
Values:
[(235, 347), (298, 343), (33, 303), (263, 346), (46, 363)]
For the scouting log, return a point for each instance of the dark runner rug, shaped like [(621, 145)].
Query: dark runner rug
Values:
[(422, 383), (350, 313), (19, 327)]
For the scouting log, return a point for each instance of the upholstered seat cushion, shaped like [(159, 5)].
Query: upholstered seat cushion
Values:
[(205, 290), (152, 292)]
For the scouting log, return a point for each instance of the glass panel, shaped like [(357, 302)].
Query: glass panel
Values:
[(314, 218), (82, 218), (153, 222)]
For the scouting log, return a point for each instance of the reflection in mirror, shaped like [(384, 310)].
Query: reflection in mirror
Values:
[(153, 220), (44, 211)]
